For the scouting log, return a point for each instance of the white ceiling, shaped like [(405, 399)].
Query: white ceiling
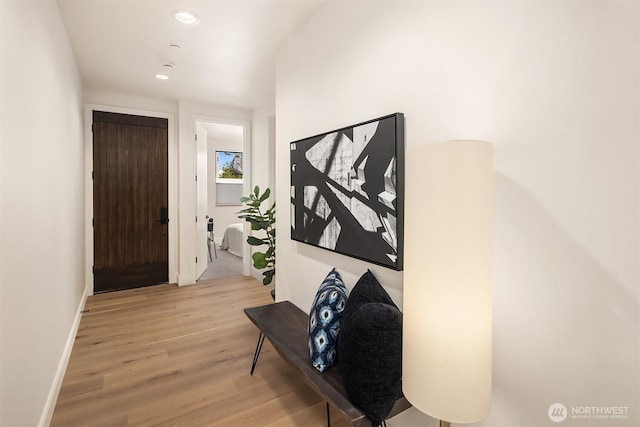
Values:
[(227, 59)]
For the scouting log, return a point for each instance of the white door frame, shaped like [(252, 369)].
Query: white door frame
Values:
[(202, 245)]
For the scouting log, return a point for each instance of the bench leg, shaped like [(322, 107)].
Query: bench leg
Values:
[(257, 353), (328, 416)]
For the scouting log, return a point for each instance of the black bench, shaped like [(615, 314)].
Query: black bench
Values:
[(286, 327)]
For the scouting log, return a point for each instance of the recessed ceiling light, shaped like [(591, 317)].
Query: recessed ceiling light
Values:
[(186, 17), (162, 77)]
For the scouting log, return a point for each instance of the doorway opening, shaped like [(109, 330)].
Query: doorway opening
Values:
[(222, 170)]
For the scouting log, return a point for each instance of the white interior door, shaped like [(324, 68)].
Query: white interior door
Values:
[(202, 251)]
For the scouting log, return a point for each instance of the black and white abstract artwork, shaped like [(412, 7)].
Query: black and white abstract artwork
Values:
[(347, 190)]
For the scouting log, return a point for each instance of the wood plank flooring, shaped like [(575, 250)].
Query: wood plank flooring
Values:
[(169, 356)]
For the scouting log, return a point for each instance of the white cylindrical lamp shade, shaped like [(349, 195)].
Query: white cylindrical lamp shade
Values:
[(447, 290)]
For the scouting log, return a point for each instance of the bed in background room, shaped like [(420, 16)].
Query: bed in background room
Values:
[(233, 239)]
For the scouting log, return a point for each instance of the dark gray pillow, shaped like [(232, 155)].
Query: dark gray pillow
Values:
[(367, 289), (370, 349)]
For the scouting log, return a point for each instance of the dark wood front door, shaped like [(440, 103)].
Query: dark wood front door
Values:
[(130, 201)]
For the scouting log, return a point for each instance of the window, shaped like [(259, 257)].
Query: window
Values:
[(228, 167), (228, 177)]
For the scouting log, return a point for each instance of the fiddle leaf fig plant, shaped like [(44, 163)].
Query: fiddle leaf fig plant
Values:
[(261, 220)]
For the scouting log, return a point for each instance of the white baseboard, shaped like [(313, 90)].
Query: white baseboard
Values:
[(54, 392)]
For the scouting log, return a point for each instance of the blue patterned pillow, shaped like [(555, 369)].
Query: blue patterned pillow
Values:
[(324, 321)]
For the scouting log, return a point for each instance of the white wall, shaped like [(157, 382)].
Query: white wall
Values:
[(119, 100), (41, 209), (263, 165), (261, 129), (554, 85)]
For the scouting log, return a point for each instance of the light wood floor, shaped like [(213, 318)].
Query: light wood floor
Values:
[(165, 355)]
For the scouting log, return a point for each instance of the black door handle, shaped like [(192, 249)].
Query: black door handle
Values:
[(164, 216)]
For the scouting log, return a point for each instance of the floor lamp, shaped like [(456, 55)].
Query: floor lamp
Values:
[(447, 291)]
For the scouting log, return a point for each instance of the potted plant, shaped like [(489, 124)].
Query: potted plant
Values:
[(261, 220)]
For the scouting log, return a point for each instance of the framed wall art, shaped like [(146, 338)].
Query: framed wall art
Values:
[(347, 190)]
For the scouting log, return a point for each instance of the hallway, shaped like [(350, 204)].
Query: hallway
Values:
[(168, 355)]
